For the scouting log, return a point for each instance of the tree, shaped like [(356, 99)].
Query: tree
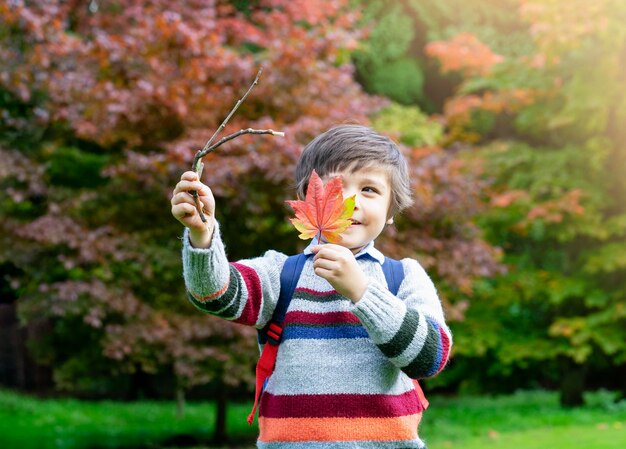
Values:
[(557, 193), (384, 61), (105, 105), (392, 60)]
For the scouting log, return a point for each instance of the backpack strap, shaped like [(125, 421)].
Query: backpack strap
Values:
[(289, 276), (271, 335), (420, 395), (394, 274)]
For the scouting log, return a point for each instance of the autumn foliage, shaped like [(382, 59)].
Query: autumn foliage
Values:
[(104, 104), (464, 53)]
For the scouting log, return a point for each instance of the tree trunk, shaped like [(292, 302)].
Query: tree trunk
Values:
[(9, 363), (572, 384), (621, 383), (219, 437), (180, 402)]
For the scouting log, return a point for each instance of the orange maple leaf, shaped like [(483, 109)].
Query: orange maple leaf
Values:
[(323, 212)]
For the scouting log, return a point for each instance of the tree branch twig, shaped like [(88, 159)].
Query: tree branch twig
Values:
[(198, 166)]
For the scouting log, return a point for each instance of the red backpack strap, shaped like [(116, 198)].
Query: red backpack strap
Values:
[(270, 336), (265, 365), (420, 395)]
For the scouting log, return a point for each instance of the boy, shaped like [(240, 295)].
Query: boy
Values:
[(350, 347)]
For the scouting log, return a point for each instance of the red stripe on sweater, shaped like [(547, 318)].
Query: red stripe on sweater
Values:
[(211, 297), (250, 312), (315, 292), (339, 405), (321, 318)]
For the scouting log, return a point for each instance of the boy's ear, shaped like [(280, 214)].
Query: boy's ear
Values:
[(390, 221)]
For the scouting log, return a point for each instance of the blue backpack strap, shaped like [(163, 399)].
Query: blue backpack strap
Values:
[(288, 280), (392, 268), (272, 333), (394, 274)]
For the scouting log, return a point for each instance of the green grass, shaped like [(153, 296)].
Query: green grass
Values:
[(26, 422), (528, 420), (525, 420)]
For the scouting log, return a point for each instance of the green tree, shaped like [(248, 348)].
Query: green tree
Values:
[(386, 63), (391, 60), (557, 197)]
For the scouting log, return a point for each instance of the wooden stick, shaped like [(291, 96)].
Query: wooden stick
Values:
[(232, 111), (198, 166)]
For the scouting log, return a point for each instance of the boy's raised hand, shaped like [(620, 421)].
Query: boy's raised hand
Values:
[(184, 209), (338, 266)]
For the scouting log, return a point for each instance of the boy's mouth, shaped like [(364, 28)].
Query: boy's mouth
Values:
[(355, 222)]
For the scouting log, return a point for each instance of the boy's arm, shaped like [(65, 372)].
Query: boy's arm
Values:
[(409, 329), (245, 292)]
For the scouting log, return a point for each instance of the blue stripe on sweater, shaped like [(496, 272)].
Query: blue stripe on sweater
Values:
[(439, 355), (323, 332)]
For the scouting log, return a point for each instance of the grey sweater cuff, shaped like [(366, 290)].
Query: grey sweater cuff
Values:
[(380, 312), (205, 270)]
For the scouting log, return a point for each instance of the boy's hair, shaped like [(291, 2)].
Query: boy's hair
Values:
[(356, 147)]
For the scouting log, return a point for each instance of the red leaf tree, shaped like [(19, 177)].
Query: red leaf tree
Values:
[(104, 105), (103, 109)]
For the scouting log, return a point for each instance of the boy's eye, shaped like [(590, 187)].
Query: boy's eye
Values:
[(370, 189)]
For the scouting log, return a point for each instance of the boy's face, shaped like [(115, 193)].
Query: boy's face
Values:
[(372, 191)]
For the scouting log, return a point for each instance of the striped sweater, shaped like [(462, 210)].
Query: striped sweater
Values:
[(343, 371)]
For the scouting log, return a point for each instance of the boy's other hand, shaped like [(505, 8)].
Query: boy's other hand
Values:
[(338, 266), (184, 209)]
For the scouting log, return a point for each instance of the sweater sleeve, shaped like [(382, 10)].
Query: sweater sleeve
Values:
[(245, 292), (409, 329)]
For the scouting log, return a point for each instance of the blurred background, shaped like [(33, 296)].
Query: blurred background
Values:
[(512, 114)]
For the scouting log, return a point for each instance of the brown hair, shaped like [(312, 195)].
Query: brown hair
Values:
[(356, 147)]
